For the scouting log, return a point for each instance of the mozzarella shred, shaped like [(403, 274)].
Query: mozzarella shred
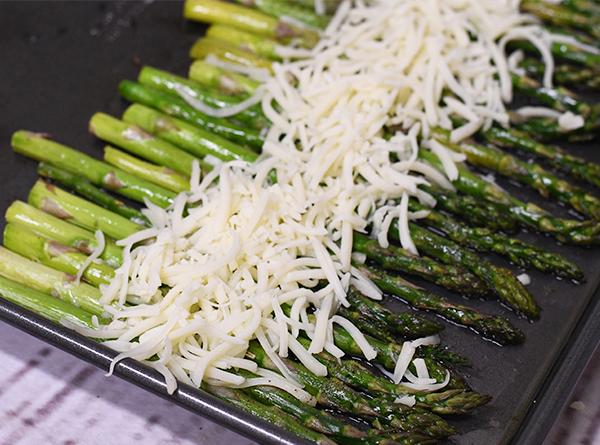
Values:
[(94, 256), (241, 265)]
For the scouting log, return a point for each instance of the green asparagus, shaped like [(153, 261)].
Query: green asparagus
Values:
[(85, 188), (64, 233), (37, 146), (491, 327), (68, 207), (577, 167), (170, 83), (394, 258), (248, 19)]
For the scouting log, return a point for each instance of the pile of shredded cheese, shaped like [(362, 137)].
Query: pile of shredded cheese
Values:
[(243, 257)]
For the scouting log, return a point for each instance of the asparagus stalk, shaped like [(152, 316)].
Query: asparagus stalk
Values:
[(530, 174), (577, 167), (504, 284), (528, 214), (49, 281), (163, 176), (475, 211), (217, 129), (380, 322), (563, 52), (248, 19), (186, 136), (227, 82), (397, 259), (36, 146), (485, 240), (282, 9), (491, 327), (309, 416), (67, 259), (169, 83), (64, 233), (65, 206), (564, 74), (43, 304), (258, 45), (270, 414), (387, 356), (548, 129), (583, 6), (558, 98), (227, 52), (560, 16), (137, 141), (85, 188), (358, 376), (331, 392)]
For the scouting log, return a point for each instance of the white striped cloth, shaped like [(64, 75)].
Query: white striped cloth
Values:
[(49, 397)]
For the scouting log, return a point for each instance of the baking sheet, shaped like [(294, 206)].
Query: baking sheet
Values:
[(62, 61)]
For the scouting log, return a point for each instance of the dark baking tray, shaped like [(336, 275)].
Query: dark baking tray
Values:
[(61, 62)]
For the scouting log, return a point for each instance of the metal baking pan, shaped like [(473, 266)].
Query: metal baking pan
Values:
[(61, 62)]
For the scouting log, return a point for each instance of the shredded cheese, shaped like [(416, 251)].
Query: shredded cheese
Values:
[(241, 258), (96, 253)]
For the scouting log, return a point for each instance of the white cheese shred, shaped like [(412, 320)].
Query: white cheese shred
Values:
[(94, 256)]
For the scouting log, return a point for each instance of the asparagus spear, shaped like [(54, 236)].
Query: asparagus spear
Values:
[(227, 52), (583, 6), (64, 233), (139, 142), (271, 414), (36, 146), (169, 83), (564, 74), (563, 52), (85, 188), (528, 214), (506, 287), (67, 259), (559, 16), (49, 281), (248, 19), (379, 321), (485, 240), (331, 392), (394, 258), (282, 9), (186, 136), (475, 211), (530, 174), (558, 98), (65, 206), (491, 327), (548, 129), (578, 167), (43, 304), (218, 129), (226, 82), (358, 376), (258, 45), (309, 416), (163, 176)]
